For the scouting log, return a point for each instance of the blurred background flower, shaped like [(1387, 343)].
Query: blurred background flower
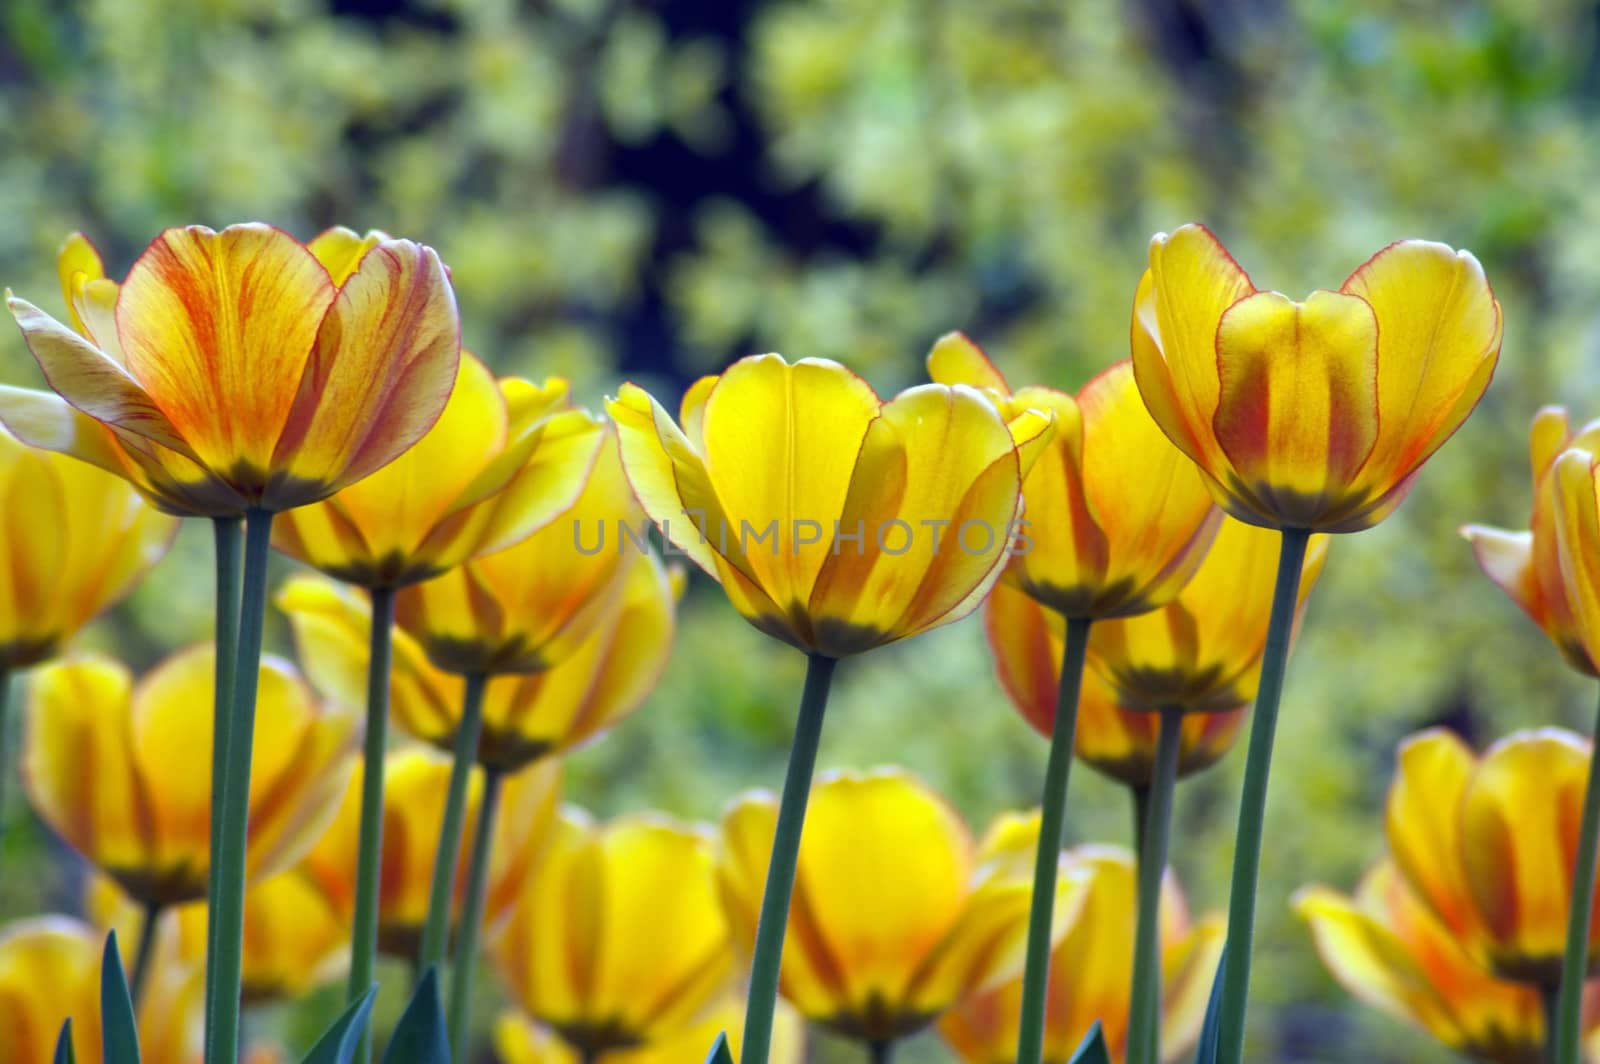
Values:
[(626, 188)]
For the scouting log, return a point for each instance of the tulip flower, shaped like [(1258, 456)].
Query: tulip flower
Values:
[(1095, 550), (898, 914), (835, 522), (1091, 971), (240, 374), (50, 973), (119, 770), (1114, 739), (519, 1040), (619, 941), (1526, 565), (1304, 417), (1387, 947), (413, 804)]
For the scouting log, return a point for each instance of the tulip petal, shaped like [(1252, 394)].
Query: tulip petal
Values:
[(1422, 817), (1439, 330), (1188, 967), (217, 328), (1506, 558), (341, 250), (956, 359), (379, 374), (1577, 520), (1297, 415)]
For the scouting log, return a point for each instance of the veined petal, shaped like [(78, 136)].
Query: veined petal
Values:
[(83, 375), (341, 250), (1577, 520), (1507, 559), (378, 376), (77, 263), (780, 444), (1439, 329), (217, 328), (1422, 817), (1297, 415), (90, 296)]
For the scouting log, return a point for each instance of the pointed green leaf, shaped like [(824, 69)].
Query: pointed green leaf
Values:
[(338, 1044), (720, 1053), (421, 1037), (1210, 1030), (119, 1032), (64, 1053), (1092, 1050)]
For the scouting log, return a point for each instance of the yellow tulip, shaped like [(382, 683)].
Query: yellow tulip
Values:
[(835, 521), (519, 1040), (73, 541), (504, 459), (1526, 565), (525, 717), (1026, 639), (1387, 947), (50, 972), (122, 772), (1098, 549), (1575, 506), (1313, 415), (896, 912), (413, 806), (1488, 843), (1091, 968), (1203, 651), (527, 608), (618, 941), (241, 369)]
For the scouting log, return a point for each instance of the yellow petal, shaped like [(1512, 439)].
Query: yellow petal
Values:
[(1422, 818), (1577, 520), (217, 327), (341, 250), (1439, 329), (77, 263), (1189, 961), (1519, 831), (955, 359), (377, 377), (1298, 414)]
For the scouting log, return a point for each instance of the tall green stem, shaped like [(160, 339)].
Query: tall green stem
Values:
[(465, 965), (369, 849), (1550, 998), (1575, 962), (1253, 802), (774, 920), (228, 535), (1052, 834), (882, 1052), (146, 954), (1144, 1028), (436, 932), (228, 864)]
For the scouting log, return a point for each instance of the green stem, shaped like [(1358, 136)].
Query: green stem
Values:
[(1575, 962), (465, 965), (369, 850), (1141, 812), (1253, 801), (763, 995), (882, 1052), (228, 534), (1052, 835), (436, 932), (1144, 1028), (147, 952), (228, 865), (1550, 998)]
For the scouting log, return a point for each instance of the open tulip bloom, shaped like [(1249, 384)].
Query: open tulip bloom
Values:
[(239, 374), (1311, 416), (836, 522)]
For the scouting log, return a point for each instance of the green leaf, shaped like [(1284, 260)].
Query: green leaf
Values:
[(421, 1037), (720, 1053), (1209, 1031), (64, 1053), (1092, 1050), (119, 1031), (338, 1044)]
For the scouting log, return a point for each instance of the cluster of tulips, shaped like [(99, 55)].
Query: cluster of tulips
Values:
[(486, 575)]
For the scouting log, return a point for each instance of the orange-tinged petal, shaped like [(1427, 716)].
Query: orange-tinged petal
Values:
[(1519, 828), (378, 375), (1439, 330), (1423, 822), (217, 328), (1577, 520), (780, 447), (1297, 414), (1507, 559), (935, 496), (294, 939)]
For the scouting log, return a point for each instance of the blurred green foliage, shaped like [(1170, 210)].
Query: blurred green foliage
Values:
[(628, 187)]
